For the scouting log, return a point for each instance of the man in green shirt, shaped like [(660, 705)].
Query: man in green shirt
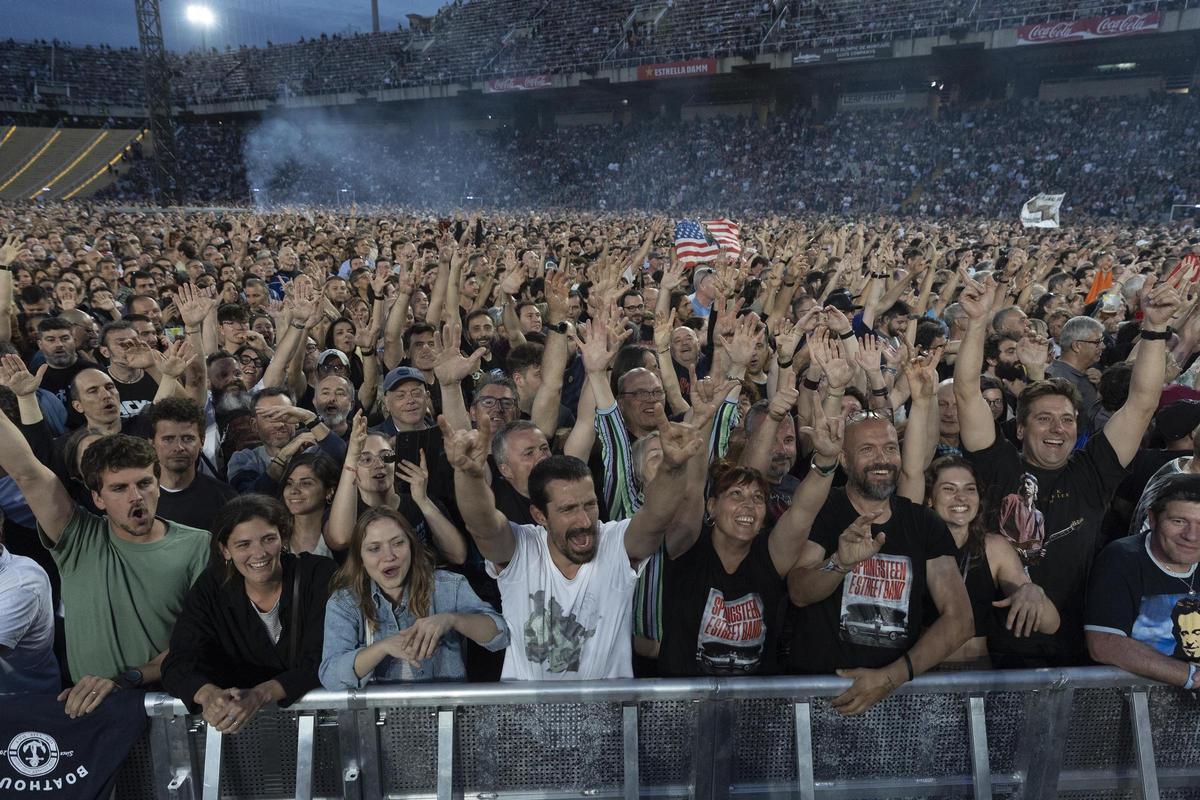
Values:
[(124, 575)]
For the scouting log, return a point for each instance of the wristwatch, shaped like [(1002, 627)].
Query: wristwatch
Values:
[(557, 327), (129, 679)]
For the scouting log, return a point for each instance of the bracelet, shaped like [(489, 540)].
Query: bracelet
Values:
[(298, 325), (909, 666), (883, 275), (1003, 279), (192, 330), (1157, 336), (364, 352), (884, 392), (847, 335), (812, 386), (886, 368), (832, 566), (1190, 683), (824, 472), (664, 352)]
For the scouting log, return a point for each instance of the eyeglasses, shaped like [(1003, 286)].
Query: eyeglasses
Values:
[(250, 361), (1090, 341), (413, 394), (995, 401), (506, 403), (642, 395), (382, 457)]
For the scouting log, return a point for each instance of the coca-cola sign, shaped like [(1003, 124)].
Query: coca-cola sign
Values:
[(522, 84), (1091, 28)]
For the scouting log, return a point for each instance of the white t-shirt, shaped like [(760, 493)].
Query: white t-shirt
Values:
[(568, 629)]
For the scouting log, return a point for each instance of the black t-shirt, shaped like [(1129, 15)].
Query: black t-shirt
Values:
[(1129, 491), (1057, 535), (717, 623), (58, 380), (137, 395), (878, 610), (1131, 595), (198, 504), (509, 502), (779, 498)]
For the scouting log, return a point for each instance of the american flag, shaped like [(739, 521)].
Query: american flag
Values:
[(699, 242)]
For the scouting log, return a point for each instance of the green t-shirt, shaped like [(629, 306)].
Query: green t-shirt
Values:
[(121, 598)]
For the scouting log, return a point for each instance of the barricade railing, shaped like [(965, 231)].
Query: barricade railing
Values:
[(1087, 732)]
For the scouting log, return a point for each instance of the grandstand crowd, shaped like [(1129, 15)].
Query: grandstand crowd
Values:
[(249, 454)]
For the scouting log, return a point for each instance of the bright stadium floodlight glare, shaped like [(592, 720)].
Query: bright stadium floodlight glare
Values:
[(200, 15)]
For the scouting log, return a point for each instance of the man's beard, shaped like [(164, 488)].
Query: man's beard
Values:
[(335, 420), (60, 361), (877, 489), (232, 399)]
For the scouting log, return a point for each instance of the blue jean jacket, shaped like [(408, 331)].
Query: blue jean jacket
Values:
[(346, 634)]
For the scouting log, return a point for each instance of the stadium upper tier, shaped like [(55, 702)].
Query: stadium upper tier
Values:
[(473, 39)]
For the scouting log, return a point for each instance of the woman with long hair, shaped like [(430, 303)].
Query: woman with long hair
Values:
[(1000, 590), (250, 630), (306, 488), (393, 617)]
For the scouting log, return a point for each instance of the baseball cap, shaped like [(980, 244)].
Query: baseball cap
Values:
[(401, 374), (841, 300), (1177, 420), (699, 276), (345, 359)]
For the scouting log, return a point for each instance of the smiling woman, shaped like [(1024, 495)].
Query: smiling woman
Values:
[(251, 627)]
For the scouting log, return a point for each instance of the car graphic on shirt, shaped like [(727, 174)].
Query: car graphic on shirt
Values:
[(874, 623)]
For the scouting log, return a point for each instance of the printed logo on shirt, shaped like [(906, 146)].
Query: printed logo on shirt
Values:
[(1170, 623), (1025, 525), (33, 753), (131, 408), (554, 638), (731, 634), (875, 600)]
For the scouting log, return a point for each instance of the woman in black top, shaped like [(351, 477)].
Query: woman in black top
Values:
[(995, 577), (252, 625), (724, 584)]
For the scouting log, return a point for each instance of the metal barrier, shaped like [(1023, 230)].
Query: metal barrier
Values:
[(1074, 733)]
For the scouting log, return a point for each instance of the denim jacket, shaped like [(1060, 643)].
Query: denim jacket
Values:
[(346, 634)]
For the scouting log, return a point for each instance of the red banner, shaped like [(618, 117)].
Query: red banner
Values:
[(522, 84), (1091, 28), (677, 69)]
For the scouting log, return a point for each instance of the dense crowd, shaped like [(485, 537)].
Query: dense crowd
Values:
[(467, 41), (1125, 158), (251, 454)]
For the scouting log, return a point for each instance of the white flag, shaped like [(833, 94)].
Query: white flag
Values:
[(1041, 211)]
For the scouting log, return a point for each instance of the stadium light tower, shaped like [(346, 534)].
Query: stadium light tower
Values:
[(203, 18), (157, 73)]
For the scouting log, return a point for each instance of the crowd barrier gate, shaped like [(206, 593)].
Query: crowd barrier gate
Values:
[(1071, 733)]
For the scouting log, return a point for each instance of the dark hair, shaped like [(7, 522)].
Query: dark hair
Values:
[(991, 346), (725, 475), (629, 357), (1047, 388), (554, 468), (976, 529), (329, 331), (322, 466), (115, 325), (244, 508), (927, 331), (1114, 385), (270, 391), (479, 312), (353, 576), (53, 324), (417, 328), (119, 451), (1181, 487), (232, 312), (175, 409), (524, 356)]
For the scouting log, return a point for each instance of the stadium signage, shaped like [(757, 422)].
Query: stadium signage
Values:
[(849, 52), (677, 69), (1091, 28), (886, 99), (522, 84)]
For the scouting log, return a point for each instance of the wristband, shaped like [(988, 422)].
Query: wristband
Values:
[(298, 325), (812, 386), (1190, 683), (824, 472), (883, 275), (664, 352), (1157, 336), (832, 566), (847, 335), (884, 392), (364, 352), (886, 368), (909, 666)]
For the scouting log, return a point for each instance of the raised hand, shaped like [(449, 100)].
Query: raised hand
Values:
[(450, 366), (138, 354), (16, 376), (921, 372), (680, 441), (827, 434), (976, 298), (782, 403), (358, 439), (857, 543), (467, 451), (870, 353), (1033, 351), (705, 396), (597, 345), (194, 304), (746, 336), (8, 252), (787, 339), (1159, 303), (663, 328), (827, 354), (416, 476), (176, 359), (672, 277)]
